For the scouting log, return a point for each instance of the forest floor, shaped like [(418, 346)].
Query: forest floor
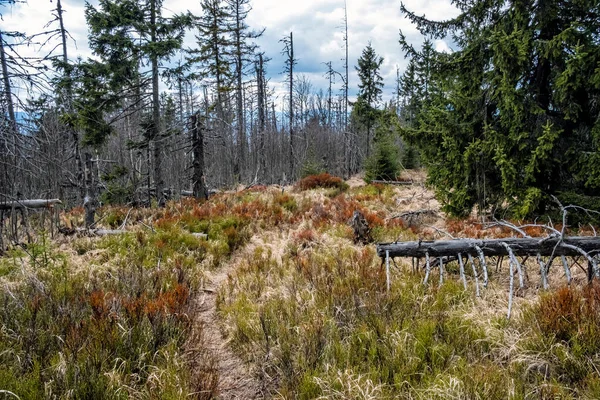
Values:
[(280, 302)]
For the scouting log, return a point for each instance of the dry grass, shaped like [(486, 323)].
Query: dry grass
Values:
[(280, 298)]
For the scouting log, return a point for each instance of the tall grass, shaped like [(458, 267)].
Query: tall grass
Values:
[(118, 330), (334, 332)]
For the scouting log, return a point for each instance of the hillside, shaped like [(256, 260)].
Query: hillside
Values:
[(280, 302)]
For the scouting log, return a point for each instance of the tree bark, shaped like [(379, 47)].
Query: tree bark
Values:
[(12, 120), (493, 247), (260, 75), (198, 179), (157, 158)]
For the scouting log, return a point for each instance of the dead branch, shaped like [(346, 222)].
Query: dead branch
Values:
[(24, 204)]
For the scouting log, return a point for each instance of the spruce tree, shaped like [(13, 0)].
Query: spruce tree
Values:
[(243, 52), (212, 62), (515, 119), (125, 33), (384, 163), (369, 92)]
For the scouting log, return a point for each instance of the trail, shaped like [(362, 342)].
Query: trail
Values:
[(236, 380)]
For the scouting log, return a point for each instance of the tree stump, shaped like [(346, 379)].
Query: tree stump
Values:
[(362, 231)]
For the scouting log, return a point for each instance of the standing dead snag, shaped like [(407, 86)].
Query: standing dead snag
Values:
[(362, 231)]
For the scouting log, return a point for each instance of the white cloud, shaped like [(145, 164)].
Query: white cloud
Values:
[(442, 46), (317, 27)]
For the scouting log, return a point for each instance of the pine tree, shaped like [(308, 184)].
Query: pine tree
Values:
[(516, 116)]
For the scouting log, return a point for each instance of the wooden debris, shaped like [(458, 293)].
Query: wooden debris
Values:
[(405, 183), (362, 231), (411, 218), (33, 203), (550, 246), (90, 232)]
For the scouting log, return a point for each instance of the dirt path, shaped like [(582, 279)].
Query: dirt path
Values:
[(236, 381)]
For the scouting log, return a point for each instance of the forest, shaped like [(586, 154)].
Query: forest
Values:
[(174, 224), (506, 120)]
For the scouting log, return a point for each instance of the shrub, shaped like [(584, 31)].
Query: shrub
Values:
[(323, 180), (572, 316), (311, 167), (384, 163), (410, 157), (286, 201)]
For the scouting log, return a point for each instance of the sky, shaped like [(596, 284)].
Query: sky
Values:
[(317, 27)]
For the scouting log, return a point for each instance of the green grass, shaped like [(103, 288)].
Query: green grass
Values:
[(117, 331), (322, 326), (115, 320)]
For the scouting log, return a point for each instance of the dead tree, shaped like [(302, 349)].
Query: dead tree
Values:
[(288, 52), (556, 245), (260, 78), (549, 246), (198, 179), (34, 203)]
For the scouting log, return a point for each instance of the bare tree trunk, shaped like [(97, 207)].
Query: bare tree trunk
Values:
[(346, 83), (555, 246), (241, 136), (157, 157), (291, 72), (89, 201), (31, 203), (198, 179), (260, 75), (7, 90)]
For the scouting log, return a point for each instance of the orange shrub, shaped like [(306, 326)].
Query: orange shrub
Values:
[(534, 231), (572, 315), (323, 180), (304, 237)]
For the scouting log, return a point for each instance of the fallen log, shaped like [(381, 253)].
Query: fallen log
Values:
[(569, 246), (33, 203), (407, 183), (90, 232)]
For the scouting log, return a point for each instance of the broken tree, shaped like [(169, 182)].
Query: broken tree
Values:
[(34, 203), (570, 246), (438, 253)]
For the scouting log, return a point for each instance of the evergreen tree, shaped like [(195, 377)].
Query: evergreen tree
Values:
[(516, 115), (243, 52), (124, 33), (290, 62), (384, 163), (369, 92), (213, 57)]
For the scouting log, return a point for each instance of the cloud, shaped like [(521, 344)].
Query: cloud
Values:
[(316, 25)]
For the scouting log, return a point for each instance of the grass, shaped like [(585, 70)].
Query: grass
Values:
[(115, 331), (308, 309)]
